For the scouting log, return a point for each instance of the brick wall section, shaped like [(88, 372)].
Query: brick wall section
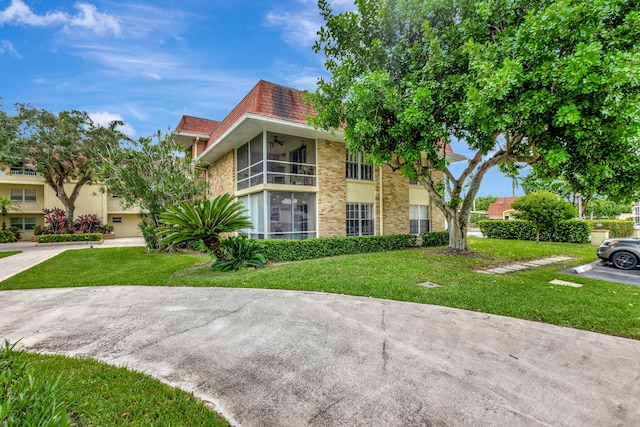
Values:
[(395, 201), (332, 184), (222, 175), (437, 217)]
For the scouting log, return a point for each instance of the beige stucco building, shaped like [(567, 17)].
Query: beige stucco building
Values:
[(33, 195), (300, 182)]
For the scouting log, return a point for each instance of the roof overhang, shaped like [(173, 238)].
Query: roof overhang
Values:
[(251, 125), (186, 139)]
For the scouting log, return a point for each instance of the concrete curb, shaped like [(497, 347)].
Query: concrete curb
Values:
[(582, 268)]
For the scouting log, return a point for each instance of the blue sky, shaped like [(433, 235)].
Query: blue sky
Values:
[(149, 62)]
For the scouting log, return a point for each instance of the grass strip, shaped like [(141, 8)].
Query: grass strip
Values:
[(8, 253)]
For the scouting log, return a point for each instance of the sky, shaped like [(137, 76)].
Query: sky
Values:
[(147, 63)]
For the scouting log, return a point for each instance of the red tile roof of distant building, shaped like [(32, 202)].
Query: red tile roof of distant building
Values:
[(499, 207)]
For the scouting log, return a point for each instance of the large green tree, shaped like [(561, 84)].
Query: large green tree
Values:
[(516, 81), (153, 174), (61, 147)]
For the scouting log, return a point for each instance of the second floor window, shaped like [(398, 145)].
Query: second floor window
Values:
[(23, 195), (357, 168)]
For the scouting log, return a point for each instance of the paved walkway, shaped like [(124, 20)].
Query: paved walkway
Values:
[(32, 254), (510, 268), (286, 358)]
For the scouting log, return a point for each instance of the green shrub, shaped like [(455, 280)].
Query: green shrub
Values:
[(616, 227), (56, 238), (435, 238), (572, 231), (241, 253), (7, 236), (296, 250), (16, 231), (26, 399)]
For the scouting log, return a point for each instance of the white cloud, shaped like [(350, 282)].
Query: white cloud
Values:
[(89, 17), (20, 14), (7, 47), (104, 118), (297, 28)]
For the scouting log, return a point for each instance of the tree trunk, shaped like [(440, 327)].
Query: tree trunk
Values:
[(214, 245), (457, 231)]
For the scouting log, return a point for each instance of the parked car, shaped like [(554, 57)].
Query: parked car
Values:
[(622, 253), (636, 226)]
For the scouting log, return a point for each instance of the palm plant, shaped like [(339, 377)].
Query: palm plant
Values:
[(204, 221), (242, 253), (7, 204)]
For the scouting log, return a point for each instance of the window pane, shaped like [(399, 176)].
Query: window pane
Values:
[(30, 196), (16, 222), (243, 157), (16, 195)]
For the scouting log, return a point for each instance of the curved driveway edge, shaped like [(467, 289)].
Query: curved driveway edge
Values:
[(265, 357)]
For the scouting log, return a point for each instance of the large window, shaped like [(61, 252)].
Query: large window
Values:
[(291, 215), (271, 158), (357, 168), (250, 163), (23, 195), (23, 223), (360, 220), (418, 219)]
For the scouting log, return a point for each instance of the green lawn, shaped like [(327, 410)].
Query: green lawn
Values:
[(9, 253), (600, 306), (91, 393)]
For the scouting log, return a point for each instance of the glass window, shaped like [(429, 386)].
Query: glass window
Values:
[(23, 195), (292, 215), (360, 221), (25, 223), (357, 168), (418, 219)]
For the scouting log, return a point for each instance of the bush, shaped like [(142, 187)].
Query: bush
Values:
[(435, 238), (56, 238), (241, 253), (16, 232), (296, 250), (25, 399), (7, 236), (148, 230), (572, 231), (55, 221), (617, 228), (87, 223)]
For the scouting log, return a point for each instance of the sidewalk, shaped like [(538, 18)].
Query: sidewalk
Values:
[(31, 254)]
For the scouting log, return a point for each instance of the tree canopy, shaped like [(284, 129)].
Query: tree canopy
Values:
[(153, 174), (61, 147), (518, 81)]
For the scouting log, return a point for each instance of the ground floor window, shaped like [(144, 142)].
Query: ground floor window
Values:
[(25, 223), (418, 219), (360, 220), (281, 214)]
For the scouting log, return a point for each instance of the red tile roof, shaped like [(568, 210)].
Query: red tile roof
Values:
[(499, 207), (265, 99), (269, 100), (190, 124)]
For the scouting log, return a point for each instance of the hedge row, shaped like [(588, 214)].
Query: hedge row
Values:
[(572, 231), (617, 228), (7, 236), (83, 237), (296, 250)]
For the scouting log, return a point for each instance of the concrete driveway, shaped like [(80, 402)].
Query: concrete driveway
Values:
[(281, 358)]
